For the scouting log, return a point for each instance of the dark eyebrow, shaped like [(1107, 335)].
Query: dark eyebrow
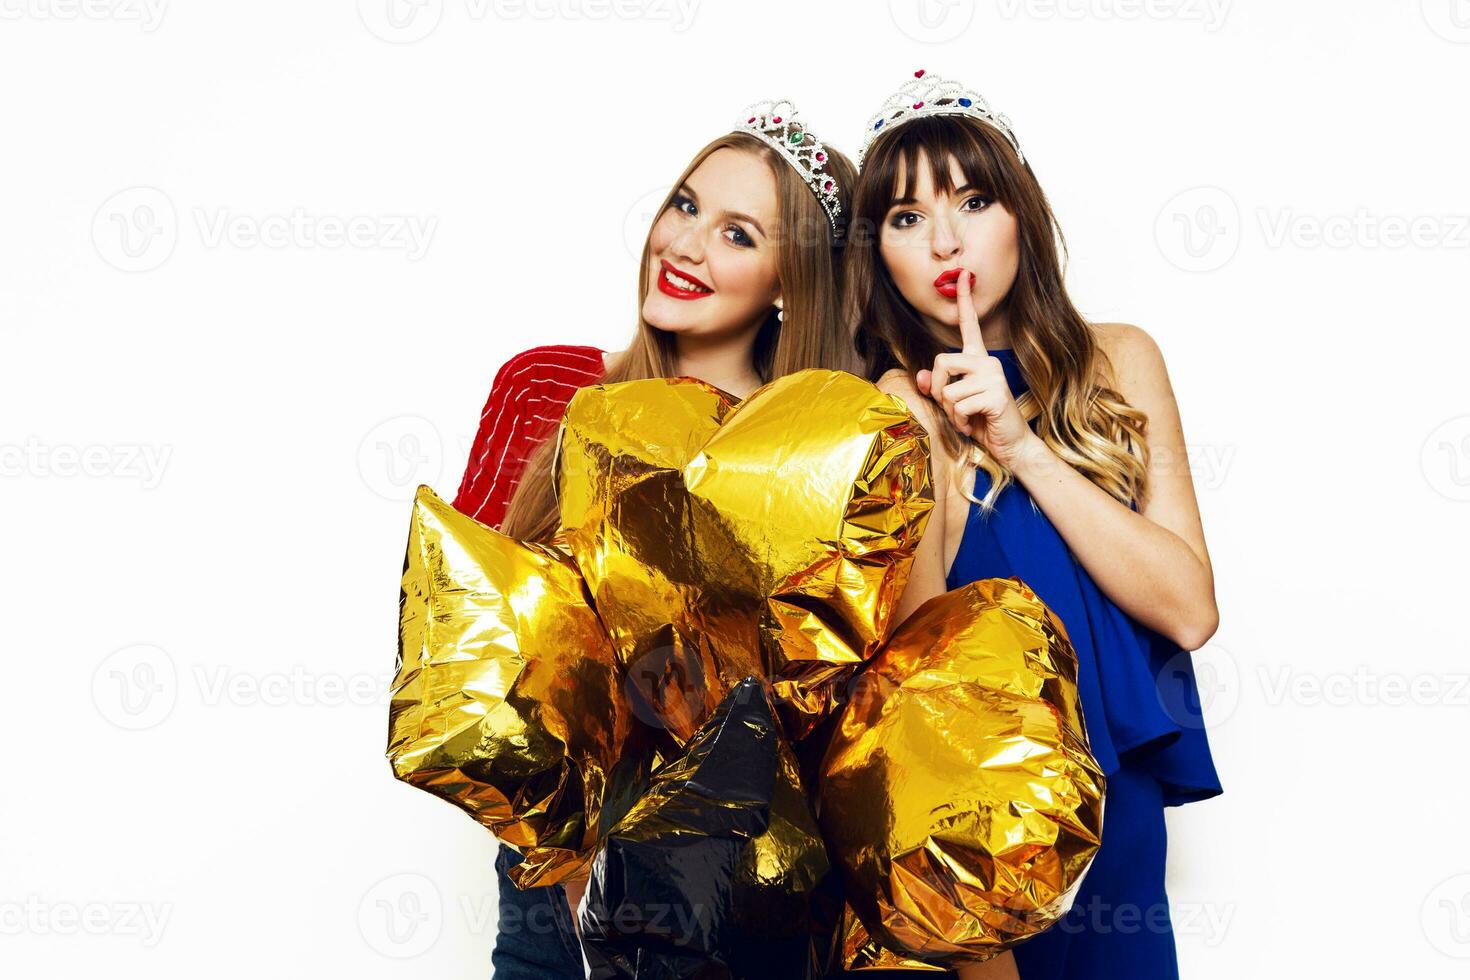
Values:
[(958, 192), (737, 215)]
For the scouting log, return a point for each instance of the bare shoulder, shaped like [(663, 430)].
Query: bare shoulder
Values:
[(1137, 363), (897, 382)]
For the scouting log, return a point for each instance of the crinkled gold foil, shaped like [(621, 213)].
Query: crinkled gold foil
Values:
[(958, 793), (770, 537), (861, 952), (507, 699)]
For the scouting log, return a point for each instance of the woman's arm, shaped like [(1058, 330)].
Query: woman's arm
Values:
[(927, 574), (1152, 563)]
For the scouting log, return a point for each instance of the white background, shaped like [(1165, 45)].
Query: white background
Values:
[(209, 439)]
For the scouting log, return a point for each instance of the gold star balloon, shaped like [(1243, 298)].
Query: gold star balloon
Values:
[(507, 700)]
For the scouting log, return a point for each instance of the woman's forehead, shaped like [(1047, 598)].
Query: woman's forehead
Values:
[(733, 180)]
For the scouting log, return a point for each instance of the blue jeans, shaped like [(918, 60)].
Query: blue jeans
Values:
[(534, 937)]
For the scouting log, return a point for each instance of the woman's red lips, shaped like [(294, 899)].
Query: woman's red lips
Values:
[(675, 290), (947, 283)]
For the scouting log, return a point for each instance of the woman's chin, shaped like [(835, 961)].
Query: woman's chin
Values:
[(662, 314)]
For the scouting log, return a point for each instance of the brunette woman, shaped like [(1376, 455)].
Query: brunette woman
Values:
[(1058, 458)]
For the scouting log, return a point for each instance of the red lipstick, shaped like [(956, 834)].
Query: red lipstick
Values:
[(679, 292), (947, 283)]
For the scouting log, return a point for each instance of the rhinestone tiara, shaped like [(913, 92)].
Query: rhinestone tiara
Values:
[(930, 95), (775, 122)]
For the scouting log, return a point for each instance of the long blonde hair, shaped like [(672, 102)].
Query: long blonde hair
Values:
[(810, 334), (1081, 416)]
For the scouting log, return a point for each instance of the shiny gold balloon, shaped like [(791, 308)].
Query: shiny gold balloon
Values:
[(958, 793), (770, 537), (507, 700), (860, 952)]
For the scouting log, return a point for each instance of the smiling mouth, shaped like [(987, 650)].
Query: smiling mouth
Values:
[(673, 283)]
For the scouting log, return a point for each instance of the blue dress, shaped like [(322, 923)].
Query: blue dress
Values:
[(1141, 706)]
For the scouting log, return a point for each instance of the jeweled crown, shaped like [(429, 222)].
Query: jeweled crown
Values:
[(775, 122), (930, 95)]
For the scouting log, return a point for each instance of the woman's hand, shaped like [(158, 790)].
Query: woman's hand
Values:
[(575, 887), (970, 386), (1002, 967)]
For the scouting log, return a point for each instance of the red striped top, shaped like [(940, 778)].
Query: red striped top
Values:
[(527, 399)]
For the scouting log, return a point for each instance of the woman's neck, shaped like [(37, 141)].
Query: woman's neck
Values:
[(995, 332), (724, 362)]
